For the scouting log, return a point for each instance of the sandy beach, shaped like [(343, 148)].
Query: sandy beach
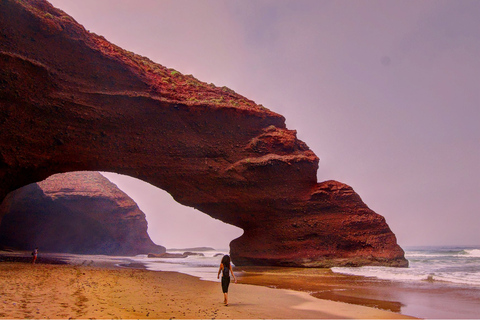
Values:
[(79, 291)]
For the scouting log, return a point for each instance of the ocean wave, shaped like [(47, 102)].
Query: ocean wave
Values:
[(472, 252), (409, 275), (459, 278), (454, 265), (428, 254), (384, 273)]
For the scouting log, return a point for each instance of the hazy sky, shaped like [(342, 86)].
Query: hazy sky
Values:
[(386, 93)]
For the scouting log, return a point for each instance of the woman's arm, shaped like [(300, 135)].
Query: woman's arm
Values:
[(231, 270), (219, 270)]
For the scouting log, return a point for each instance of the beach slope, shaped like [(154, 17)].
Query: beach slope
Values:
[(73, 291)]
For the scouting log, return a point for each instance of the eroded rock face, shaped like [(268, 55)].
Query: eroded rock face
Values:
[(76, 212), (72, 101), (332, 228)]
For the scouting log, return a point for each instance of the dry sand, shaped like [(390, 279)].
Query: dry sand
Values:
[(73, 291)]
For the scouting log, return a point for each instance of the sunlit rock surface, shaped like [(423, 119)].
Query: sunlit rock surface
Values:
[(76, 212), (70, 101)]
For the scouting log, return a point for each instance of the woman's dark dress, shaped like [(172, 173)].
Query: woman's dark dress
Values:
[(225, 278)]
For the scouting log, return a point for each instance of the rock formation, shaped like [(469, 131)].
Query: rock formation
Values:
[(71, 101), (174, 255), (76, 212)]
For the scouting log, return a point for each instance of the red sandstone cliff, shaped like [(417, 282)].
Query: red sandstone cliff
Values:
[(76, 212), (70, 101)]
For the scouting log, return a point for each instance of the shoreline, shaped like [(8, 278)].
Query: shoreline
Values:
[(96, 289), (422, 299)]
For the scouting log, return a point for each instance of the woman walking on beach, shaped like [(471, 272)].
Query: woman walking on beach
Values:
[(226, 269)]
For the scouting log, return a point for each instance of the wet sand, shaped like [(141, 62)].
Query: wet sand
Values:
[(320, 283), (79, 291), (423, 299)]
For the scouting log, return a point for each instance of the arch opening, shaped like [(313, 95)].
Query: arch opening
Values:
[(172, 224), (105, 213)]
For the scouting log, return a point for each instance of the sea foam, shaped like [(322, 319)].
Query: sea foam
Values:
[(472, 252), (459, 266)]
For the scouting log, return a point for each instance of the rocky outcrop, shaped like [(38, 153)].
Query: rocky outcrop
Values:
[(77, 212), (174, 255), (70, 101), (333, 227), (195, 249)]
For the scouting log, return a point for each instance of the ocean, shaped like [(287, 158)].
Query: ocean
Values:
[(455, 265), (204, 266)]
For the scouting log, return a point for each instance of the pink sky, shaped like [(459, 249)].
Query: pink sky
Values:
[(386, 93)]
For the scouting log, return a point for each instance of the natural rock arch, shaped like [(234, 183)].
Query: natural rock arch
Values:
[(72, 101)]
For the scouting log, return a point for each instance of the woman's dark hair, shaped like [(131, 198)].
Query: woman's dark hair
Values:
[(226, 260)]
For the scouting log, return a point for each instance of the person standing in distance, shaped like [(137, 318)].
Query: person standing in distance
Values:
[(226, 269), (34, 255)]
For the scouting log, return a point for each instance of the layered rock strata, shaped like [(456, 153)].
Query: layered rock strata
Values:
[(70, 101), (76, 212)]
